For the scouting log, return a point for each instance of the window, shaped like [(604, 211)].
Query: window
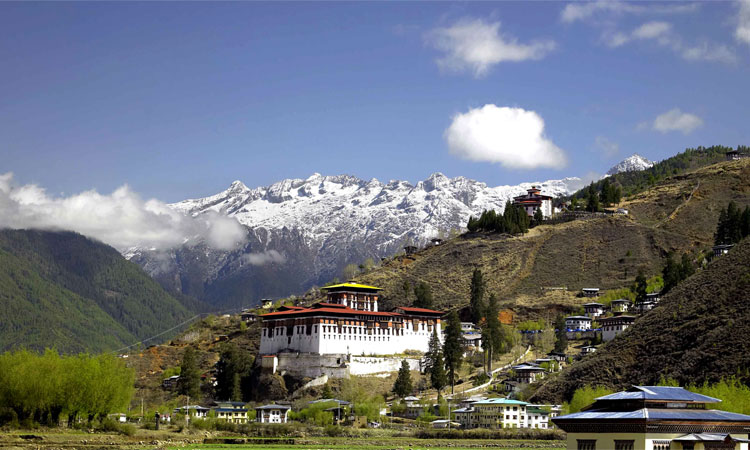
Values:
[(586, 444), (624, 445), (664, 445)]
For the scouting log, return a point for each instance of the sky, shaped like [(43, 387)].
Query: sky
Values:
[(175, 100)]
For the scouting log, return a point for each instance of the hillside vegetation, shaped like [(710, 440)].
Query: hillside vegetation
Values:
[(677, 214), (698, 333), (64, 291)]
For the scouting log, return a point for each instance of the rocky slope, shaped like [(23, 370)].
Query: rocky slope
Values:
[(303, 232)]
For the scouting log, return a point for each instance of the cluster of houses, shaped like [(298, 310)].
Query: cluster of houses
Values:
[(609, 325), (237, 412)]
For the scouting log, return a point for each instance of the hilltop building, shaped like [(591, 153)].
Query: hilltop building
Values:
[(590, 292), (620, 305), (348, 323), (612, 326), (654, 418), (593, 309), (578, 323), (534, 200)]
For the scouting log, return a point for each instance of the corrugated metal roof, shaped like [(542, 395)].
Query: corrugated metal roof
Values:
[(273, 407), (652, 414), (350, 285), (667, 393), (500, 401)]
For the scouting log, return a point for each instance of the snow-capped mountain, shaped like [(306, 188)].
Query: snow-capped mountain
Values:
[(632, 163), (303, 232)]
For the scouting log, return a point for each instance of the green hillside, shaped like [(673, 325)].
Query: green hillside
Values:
[(698, 333), (62, 290), (677, 214)]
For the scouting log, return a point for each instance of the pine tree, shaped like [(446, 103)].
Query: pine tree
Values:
[(686, 267), (403, 385), (438, 377), (592, 199), (476, 302), (452, 347), (327, 393), (492, 334), (561, 343), (189, 382), (433, 348), (232, 369), (538, 217), (640, 286), (424, 295)]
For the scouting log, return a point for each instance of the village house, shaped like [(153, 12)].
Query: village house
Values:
[(588, 349), (721, 249), (248, 317), (590, 292), (468, 327), (410, 249), (442, 424), (512, 387), (349, 322), (272, 414), (612, 326), (533, 201), (620, 305), (503, 413), (266, 303), (414, 408), (436, 241), (338, 411), (170, 383), (578, 323), (472, 341), (558, 356), (193, 411), (233, 412), (527, 373), (593, 309), (654, 418)]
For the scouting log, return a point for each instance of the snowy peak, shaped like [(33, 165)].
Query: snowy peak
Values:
[(632, 163)]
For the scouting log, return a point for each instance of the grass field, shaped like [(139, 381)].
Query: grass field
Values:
[(382, 444)]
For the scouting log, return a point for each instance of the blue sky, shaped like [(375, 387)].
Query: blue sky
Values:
[(179, 99)]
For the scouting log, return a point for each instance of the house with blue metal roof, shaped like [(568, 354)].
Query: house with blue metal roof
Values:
[(272, 413), (654, 418)]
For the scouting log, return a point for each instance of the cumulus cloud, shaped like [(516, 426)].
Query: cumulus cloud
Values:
[(259, 259), (742, 32), (121, 219), (676, 120), (476, 46), (606, 147), (582, 11), (512, 137)]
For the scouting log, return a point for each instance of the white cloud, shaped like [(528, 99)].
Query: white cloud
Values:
[(121, 219), (742, 33), (606, 147), (664, 36), (676, 120), (476, 46), (649, 30), (259, 259), (512, 137), (584, 10)]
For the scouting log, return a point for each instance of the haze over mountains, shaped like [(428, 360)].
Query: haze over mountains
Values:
[(302, 232)]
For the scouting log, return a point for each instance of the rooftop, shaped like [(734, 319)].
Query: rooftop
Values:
[(273, 407), (350, 285), (660, 393), (500, 401)]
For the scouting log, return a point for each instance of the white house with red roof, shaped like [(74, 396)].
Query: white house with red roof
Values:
[(534, 200), (348, 323)]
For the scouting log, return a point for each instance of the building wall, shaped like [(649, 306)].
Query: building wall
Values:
[(353, 339), (368, 365), (642, 441), (609, 332)]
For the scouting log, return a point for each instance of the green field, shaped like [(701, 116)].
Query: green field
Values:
[(381, 444)]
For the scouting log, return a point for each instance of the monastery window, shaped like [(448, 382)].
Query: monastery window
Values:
[(624, 445), (586, 444)]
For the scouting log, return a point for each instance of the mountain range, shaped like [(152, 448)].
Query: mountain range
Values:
[(632, 163), (303, 232)]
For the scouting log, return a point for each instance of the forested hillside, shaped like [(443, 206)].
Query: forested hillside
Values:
[(698, 333), (62, 290)]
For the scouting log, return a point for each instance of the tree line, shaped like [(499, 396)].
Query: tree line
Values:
[(49, 388), (513, 220), (733, 226)]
